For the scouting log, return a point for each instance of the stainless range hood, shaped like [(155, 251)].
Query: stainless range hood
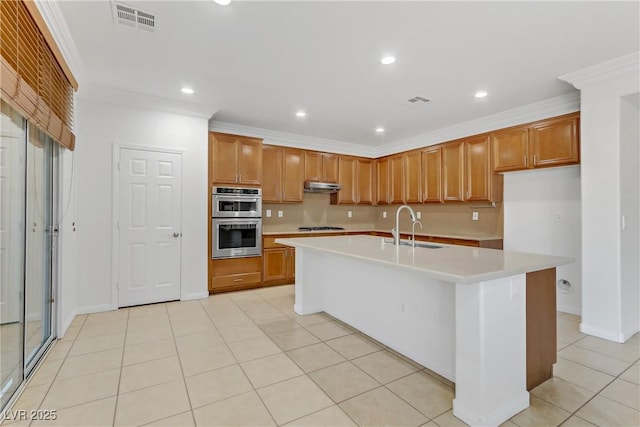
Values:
[(321, 187)]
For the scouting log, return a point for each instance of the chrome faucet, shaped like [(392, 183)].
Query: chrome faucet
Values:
[(413, 232), (396, 230)]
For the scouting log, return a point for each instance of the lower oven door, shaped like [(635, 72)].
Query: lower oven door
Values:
[(236, 237)]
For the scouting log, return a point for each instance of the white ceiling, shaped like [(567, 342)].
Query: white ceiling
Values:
[(256, 63)]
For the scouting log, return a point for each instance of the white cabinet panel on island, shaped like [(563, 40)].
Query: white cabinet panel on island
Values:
[(459, 311)]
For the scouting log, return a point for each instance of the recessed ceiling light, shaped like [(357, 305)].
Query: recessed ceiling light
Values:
[(187, 90), (300, 114), (379, 130), (387, 60), (481, 94), (222, 2)]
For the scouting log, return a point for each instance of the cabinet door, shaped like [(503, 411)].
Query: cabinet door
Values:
[(382, 181), (452, 170), (272, 171), (292, 175), (346, 178), (396, 179), (291, 264), (250, 161), (364, 192), (555, 142), (329, 167), (477, 170), (432, 175), (412, 177), (510, 150), (275, 264), (223, 156), (312, 166)]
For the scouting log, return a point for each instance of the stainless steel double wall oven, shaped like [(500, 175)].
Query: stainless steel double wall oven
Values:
[(236, 222)]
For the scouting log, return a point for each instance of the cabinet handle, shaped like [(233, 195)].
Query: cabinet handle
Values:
[(534, 160), (240, 177), (525, 161), (237, 280)]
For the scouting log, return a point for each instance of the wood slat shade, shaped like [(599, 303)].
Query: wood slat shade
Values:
[(31, 80)]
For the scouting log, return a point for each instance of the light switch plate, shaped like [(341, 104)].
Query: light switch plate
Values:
[(280, 214), (474, 216), (384, 214), (419, 215), (268, 213), (349, 214)]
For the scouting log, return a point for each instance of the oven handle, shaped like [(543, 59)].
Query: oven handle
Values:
[(237, 220)]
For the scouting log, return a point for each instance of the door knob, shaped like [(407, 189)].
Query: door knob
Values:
[(175, 234)]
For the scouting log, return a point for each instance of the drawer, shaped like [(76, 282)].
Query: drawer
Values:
[(236, 279), (269, 242)]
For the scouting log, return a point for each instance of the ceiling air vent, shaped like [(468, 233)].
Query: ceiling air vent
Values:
[(418, 100), (132, 17)]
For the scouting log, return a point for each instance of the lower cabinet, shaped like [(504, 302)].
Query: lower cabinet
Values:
[(233, 274), (278, 266)]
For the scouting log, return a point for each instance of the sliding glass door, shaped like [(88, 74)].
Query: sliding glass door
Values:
[(13, 141), (27, 159)]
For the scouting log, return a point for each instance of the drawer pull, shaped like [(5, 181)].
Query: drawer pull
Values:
[(237, 280)]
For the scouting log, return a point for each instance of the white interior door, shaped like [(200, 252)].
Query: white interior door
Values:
[(150, 193)]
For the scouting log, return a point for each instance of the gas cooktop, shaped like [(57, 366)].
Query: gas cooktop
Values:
[(319, 228)]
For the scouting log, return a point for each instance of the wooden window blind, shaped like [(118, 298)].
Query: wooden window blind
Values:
[(31, 79)]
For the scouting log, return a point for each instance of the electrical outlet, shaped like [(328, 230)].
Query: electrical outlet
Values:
[(419, 215), (474, 216), (268, 213), (280, 214), (384, 214), (349, 214), (558, 217)]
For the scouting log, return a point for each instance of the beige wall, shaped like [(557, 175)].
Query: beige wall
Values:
[(450, 219)]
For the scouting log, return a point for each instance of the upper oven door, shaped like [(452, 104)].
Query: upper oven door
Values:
[(236, 206)]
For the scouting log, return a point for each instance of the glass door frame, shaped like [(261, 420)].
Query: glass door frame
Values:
[(52, 230)]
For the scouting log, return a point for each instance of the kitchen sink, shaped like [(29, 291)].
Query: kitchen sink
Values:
[(418, 244)]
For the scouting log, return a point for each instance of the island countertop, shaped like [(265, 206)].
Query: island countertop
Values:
[(452, 263)]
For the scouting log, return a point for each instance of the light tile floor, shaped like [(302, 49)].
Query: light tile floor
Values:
[(246, 358)]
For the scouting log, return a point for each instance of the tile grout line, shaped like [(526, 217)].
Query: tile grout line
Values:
[(124, 344)]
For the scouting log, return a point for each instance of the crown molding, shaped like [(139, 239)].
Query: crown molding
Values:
[(117, 96), (596, 73), (53, 17), (287, 139), (556, 106)]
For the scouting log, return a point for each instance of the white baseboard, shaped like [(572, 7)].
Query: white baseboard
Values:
[(577, 311), (194, 295), (95, 309), (498, 417), (602, 333), (64, 326)]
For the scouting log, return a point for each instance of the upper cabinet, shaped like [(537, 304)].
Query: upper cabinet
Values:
[(235, 159), (347, 179), (453, 171), (432, 174), (552, 142), (413, 177), (283, 174), (396, 179), (382, 180), (555, 142), (481, 184), (320, 167), (365, 172)]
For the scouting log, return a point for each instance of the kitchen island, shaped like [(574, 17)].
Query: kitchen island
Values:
[(459, 311)]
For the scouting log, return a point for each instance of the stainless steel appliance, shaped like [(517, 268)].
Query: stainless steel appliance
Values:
[(236, 223), (231, 202), (321, 187), (321, 228)]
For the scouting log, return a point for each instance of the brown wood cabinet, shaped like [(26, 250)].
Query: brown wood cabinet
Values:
[(347, 176), (453, 171), (555, 142), (552, 142), (510, 149), (320, 167), (481, 183), (365, 187), (234, 274), (283, 174), (235, 159), (382, 181), (396, 179), (412, 177), (432, 175)]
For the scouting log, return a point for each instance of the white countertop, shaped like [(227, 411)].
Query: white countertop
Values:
[(369, 230), (452, 263)]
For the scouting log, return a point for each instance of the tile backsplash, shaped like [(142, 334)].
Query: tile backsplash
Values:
[(450, 219)]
